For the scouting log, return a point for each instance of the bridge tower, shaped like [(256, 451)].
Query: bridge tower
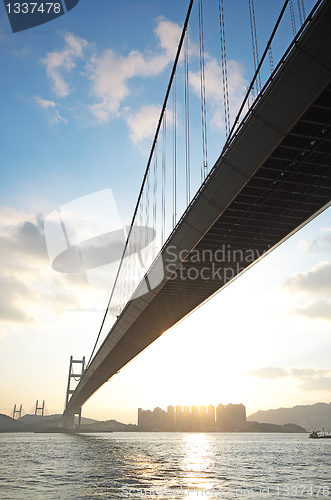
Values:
[(19, 412), (68, 419), (41, 408)]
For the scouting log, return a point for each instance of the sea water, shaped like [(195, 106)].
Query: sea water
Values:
[(164, 465)]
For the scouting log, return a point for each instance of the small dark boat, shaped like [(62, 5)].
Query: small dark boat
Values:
[(319, 435)]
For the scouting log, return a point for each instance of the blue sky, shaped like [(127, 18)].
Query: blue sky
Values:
[(79, 103)]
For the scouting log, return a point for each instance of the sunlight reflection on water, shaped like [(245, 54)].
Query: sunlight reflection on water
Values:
[(162, 465)]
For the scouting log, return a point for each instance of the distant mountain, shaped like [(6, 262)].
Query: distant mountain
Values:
[(8, 424), (310, 417), (88, 421), (31, 423), (109, 425), (258, 427), (36, 419)]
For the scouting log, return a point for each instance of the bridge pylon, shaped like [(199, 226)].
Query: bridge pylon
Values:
[(19, 412), (40, 408), (68, 419)]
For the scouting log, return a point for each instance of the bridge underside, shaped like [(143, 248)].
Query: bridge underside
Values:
[(273, 179)]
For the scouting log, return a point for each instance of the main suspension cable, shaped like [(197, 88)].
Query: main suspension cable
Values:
[(184, 29)]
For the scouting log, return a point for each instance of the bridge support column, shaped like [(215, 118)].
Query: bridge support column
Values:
[(18, 412), (41, 408), (68, 418)]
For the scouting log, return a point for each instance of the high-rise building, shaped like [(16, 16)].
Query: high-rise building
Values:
[(220, 417), (202, 417), (186, 418), (179, 417), (211, 416), (229, 417), (171, 418)]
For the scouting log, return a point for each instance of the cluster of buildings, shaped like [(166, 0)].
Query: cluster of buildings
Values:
[(231, 417)]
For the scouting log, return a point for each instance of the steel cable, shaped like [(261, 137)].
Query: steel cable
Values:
[(224, 70), (187, 122), (204, 168), (294, 29), (254, 44)]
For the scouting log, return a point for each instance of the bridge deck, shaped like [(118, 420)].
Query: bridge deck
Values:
[(273, 179)]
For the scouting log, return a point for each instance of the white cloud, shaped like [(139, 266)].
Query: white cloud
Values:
[(49, 107), (143, 123), (214, 87), (316, 281), (15, 298), (26, 277), (61, 301), (310, 379), (110, 72), (303, 246), (10, 217), (320, 244), (270, 373), (44, 104), (169, 35), (59, 61), (318, 309)]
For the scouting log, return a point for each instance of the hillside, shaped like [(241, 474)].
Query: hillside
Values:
[(8, 424), (258, 427), (31, 423), (316, 416)]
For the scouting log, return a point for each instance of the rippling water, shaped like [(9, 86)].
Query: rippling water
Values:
[(163, 465)]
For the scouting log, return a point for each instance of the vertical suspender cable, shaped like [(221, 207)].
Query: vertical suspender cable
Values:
[(204, 168), (252, 34), (187, 124), (224, 70), (164, 172), (303, 9), (254, 43), (174, 186), (147, 210), (294, 29), (255, 76), (300, 13), (271, 60), (188, 14), (155, 189)]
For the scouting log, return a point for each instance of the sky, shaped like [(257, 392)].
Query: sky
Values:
[(80, 98)]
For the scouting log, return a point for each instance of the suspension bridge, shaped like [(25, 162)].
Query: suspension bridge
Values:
[(271, 178)]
